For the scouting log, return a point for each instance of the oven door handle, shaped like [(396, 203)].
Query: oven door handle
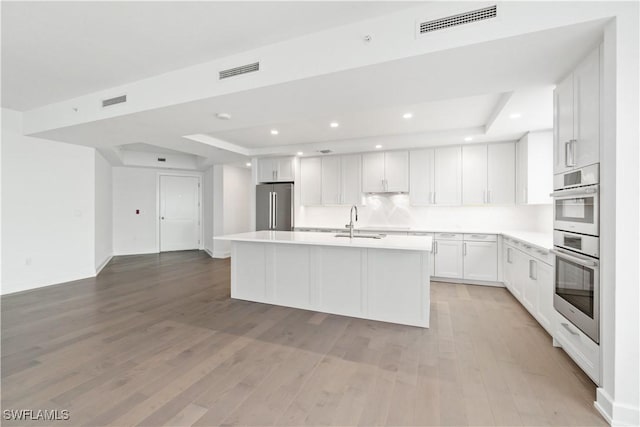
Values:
[(574, 192), (586, 262)]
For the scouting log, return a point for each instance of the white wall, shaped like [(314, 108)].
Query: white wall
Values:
[(395, 211), (137, 189), (103, 211), (207, 210), (233, 207), (47, 210)]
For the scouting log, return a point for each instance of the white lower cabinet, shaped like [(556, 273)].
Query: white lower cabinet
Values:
[(448, 259), (530, 279), (582, 349), (466, 256), (480, 260), (545, 312)]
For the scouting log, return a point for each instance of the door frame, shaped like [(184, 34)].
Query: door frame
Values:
[(200, 219)]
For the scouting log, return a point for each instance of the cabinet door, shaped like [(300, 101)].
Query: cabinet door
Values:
[(562, 124), (507, 267), (284, 169), (351, 175), (530, 286), (373, 172), (501, 173), (474, 174), (448, 176), (586, 119), (545, 311), (421, 163), (396, 171), (448, 259), (331, 180), (518, 270), (310, 181), (266, 170), (480, 260)]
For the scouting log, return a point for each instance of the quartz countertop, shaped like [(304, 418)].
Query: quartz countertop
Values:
[(542, 240), (409, 243)]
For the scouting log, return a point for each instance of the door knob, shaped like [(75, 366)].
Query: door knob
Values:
[(161, 217)]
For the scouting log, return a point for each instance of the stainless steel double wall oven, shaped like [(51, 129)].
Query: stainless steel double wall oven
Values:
[(576, 241)]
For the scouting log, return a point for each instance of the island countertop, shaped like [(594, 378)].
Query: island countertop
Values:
[(407, 243)]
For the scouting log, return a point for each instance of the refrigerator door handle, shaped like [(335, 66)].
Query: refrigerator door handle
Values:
[(275, 210), (270, 210)]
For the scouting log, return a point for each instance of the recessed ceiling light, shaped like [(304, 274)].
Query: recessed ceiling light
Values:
[(223, 116), (248, 164), (299, 153), (274, 131), (407, 115), (334, 124), (515, 115), (378, 146), (468, 138)]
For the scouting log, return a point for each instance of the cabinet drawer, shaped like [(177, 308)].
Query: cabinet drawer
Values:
[(478, 237), (581, 348), (449, 236), (535, 252)]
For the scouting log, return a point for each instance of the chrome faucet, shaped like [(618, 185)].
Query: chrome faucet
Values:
[(351, 226)]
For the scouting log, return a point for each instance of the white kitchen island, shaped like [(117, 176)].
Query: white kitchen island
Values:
[(384, 279)]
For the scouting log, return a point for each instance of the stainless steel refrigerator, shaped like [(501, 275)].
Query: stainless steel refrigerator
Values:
[(274, 207)]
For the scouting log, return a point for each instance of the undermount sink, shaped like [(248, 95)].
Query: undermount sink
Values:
[(362, 236)]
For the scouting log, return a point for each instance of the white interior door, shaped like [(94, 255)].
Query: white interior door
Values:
[(179, 213)]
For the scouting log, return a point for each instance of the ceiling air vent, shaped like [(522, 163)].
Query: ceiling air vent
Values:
[(113, 101), (325, 151), (459, 19), (162, 159), (244, 69)]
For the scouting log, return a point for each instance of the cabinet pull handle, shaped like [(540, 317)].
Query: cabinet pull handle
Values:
[(532, 271), (436, 242), (509, 261), (464, 249), (488, 196), (434, 197), (566, 326)]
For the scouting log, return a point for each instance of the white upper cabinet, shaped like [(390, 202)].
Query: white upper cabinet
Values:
[(331, 180), (276, 169), (501, 173), (396, 171), (586, 122), (351, 175), (534, 181), (577, 116), (385, 172), (311, 181), (448, 176), (373, 173), (421, 177), (474, 174)]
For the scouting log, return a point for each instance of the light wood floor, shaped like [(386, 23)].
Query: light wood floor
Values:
[(156, 340)]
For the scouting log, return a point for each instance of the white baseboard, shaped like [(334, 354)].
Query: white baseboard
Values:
[(467, 282), (104, 264), (616, 414), (221, 255)]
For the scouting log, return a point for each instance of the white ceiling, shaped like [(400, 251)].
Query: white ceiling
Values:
[(453, 94), (148, 148), (427, 117), (52, 51)]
